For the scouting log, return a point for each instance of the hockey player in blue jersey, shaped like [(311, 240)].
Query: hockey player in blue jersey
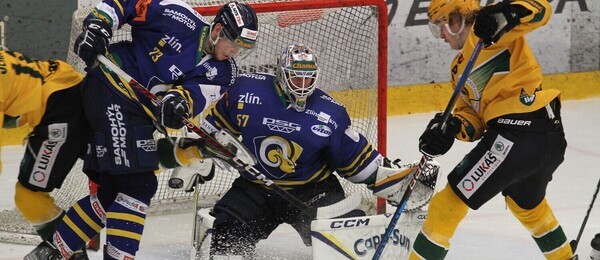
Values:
[(176, 54), (299, 136)]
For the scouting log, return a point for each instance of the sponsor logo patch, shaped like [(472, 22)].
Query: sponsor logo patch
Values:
[(321, 130), (485, 167), (282, 126)]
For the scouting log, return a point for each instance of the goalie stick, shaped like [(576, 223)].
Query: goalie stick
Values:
[(425, 158), (587, 215), (337, 209)]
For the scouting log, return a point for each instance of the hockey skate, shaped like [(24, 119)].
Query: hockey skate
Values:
[(44, 251)]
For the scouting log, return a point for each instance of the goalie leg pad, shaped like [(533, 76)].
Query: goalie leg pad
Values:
[(358, 237), (242, 218)]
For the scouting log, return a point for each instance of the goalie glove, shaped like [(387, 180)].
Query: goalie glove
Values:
[(188, 150), (393, 179), (185, 178), (92, 41)]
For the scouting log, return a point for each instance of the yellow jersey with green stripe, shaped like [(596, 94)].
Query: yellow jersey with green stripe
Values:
[(505, 79), (26, 84)]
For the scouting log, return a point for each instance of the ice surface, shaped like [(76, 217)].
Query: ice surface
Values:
[(488, 233)]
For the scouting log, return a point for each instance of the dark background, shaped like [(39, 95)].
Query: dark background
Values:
[(38, 28)]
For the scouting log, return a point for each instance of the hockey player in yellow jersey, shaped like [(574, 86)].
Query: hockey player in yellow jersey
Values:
[(45, 95), (504, 106)]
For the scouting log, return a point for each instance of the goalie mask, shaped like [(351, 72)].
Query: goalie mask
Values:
[(297, 74), (239, 25)]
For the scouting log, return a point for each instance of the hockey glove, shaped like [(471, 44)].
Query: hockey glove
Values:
[(435, 142), (207, 150), (174, 107), (92, 41), (185, 178), (392, 180), (494, 20)]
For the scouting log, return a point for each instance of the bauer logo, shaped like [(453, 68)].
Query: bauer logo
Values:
[(321, 130)]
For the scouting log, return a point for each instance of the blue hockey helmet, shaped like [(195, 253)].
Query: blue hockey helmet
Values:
[(239, 24)]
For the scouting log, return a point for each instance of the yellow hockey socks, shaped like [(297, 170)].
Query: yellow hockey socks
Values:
[(445, 212), (544, 229)]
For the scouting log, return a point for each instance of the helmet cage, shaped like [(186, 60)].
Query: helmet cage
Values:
[(297, 74)]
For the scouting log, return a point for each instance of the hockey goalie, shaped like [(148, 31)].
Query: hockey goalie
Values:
[(297, 136)]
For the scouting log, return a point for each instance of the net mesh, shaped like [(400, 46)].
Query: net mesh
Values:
[(346, 40)]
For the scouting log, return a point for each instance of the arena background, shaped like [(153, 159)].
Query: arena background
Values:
[(568, 49)]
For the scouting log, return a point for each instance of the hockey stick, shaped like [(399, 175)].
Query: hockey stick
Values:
[(340, 208), (587, 215), (425, 158)]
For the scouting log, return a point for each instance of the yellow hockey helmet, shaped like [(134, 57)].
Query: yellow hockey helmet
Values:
[(440, 10)]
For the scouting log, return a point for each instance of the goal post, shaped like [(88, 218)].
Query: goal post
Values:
[(298, 12), (350, 38)]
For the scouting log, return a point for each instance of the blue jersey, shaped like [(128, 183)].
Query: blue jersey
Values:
[(294, 148), (167, 47)]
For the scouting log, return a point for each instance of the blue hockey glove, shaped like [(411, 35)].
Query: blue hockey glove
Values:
[(435, 142), (489, 24), (174, 107), (92, 41)]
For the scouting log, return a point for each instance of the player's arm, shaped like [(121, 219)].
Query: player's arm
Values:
[(106, 17), (184, 151), (471, 127), (522, 17), (203, 87)]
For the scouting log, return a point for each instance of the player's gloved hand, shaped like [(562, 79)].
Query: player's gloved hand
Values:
[(435, 142), (493, 21), (92, 41), (174, 107), (208, 150), (185, 178)]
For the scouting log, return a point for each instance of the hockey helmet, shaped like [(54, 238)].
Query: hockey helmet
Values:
[(440, 11), (239, 24), (297, 74)]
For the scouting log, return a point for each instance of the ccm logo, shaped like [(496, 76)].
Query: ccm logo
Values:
[(349, 223), (514, 122)]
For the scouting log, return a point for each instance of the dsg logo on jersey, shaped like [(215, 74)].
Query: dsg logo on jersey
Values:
[(282, 126)]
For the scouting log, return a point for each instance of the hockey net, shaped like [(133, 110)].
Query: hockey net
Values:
[(350, 38)]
